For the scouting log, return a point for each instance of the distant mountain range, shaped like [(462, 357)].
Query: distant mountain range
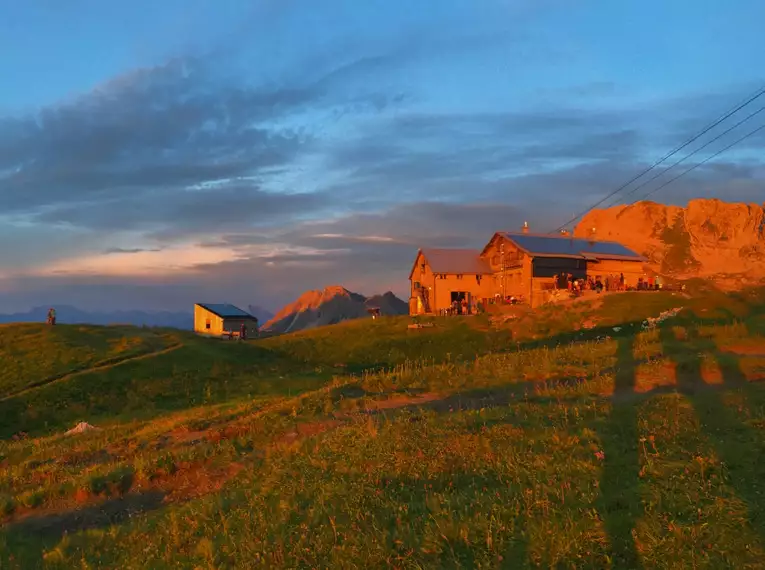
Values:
[(66, 314), (330, 306)]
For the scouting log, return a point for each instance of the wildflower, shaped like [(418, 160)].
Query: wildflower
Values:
[(600, 454)]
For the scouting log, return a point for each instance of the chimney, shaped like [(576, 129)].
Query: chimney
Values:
[(525, 227)]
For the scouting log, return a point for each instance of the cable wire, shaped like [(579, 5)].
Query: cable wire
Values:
[(687, 156), (695, 166), (753, 97)]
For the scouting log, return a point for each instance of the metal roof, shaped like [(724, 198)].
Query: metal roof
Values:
[(456, 261), (225, 310), (549, 246)]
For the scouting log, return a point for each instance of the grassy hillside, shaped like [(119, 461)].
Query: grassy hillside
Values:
[(366, 344), (32, 354), (532, 442)]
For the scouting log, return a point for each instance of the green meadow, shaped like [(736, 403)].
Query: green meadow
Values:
[(568, 437)]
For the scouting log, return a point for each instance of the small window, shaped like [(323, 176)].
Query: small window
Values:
[(416, 284), (422, 267), (207, 324), (459, 276)]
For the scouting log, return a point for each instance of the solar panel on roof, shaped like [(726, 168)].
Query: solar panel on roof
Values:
[(225, 310), (548, 245)]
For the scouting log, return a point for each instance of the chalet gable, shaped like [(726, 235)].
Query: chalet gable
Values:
[(452, 261)]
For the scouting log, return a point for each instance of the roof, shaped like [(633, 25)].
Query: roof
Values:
[(565, 246), (224, 310), (452, 261)]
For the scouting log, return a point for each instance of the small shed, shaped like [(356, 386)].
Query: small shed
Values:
[(217, 319)]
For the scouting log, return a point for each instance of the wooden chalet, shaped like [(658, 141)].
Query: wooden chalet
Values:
[(514, 264)]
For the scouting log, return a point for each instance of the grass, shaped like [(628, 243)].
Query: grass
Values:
[(31, 354), (360, 345), (467, 445)]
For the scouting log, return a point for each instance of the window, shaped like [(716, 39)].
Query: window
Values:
[(416, 284), (422, 267), (459, 276), (207, 325)]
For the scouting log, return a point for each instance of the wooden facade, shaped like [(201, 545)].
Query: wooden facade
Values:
[(436, 285), (520, 265), (219, 319)]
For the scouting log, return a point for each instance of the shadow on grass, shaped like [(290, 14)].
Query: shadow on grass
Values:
[(432, 501), (29, 537), (619, 503), (738, 446)]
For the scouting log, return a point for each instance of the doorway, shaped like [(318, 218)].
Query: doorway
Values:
[(457, 299)]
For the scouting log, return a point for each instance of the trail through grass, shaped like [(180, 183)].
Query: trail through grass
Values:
[(585, 449), (33, 354)]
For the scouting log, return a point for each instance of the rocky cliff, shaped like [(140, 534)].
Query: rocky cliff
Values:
[(708, 238), (330, 306)]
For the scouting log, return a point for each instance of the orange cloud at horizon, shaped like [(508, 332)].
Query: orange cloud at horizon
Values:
[(171, 261), (140, 263)]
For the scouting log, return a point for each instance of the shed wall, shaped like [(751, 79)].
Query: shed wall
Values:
[(203, 317)]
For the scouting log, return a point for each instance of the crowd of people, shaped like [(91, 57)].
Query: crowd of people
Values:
[(461, 307), (478, 306), (613, 282), (561, 282)]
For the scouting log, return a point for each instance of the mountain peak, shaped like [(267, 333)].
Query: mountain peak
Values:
[(331, 305), (333, 290)]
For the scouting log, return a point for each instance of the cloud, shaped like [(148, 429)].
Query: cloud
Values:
[(113, 250), (139, 262), (188, 212), (424, 148), (156, 130), (330, 164)]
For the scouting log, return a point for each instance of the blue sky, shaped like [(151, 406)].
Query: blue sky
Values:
[(151, 150)]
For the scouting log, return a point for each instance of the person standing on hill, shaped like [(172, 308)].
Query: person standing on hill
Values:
[(51, 316)]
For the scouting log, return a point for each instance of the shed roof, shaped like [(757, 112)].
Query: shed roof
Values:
[(458, 261), (554, 246), (226, 311)]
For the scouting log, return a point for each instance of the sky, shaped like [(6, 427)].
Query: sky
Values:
[(158, 154)]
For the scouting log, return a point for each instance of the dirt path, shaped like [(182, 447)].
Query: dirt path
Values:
[(99, 367)]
